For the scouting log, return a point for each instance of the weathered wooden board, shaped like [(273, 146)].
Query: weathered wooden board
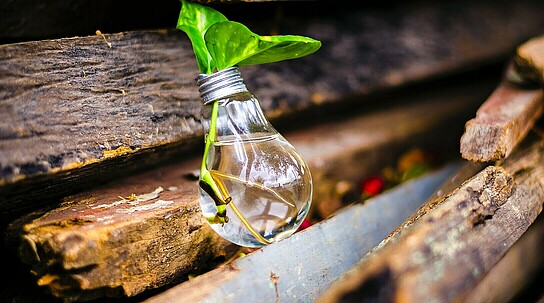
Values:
[(516, 272), (502, 121), (446, 252), (124, 247), (511, 110), (73, 102), (75, 112), (141, 233), (302, 267), (467, 171)]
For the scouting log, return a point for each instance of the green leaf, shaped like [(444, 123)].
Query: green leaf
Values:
[(232, 43), (219, 43), (194, 19), (415, 171)]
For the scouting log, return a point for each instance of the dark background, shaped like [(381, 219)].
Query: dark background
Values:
[(28, 20)]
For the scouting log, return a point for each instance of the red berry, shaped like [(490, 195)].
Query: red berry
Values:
[(372, 186)]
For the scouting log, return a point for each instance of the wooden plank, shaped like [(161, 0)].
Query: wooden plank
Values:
[(75, 111), (511, 110), (445, 253), (71, 104), (122, 254), (521, 264), (300, 268), (141, 233), (467, 171), (501, 123)]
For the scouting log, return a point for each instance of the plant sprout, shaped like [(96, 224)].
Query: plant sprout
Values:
[(219, 43)]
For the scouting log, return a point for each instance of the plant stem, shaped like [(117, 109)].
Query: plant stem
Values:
[(242, 218), (216, 185)]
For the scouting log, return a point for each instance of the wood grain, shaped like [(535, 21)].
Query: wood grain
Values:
[(521, 264), (502, 121), (140, 234)]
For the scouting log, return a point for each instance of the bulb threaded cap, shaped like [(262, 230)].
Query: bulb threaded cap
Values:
[(220, 84)]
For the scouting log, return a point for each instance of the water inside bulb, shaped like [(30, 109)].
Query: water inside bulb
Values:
[(262, 188), (268, 183)]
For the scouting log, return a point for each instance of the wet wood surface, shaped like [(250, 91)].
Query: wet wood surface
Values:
[(443, 255), (76, 112)]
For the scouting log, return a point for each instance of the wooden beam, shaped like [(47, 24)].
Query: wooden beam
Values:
[(446, 252), (140, 233), (76, 112)]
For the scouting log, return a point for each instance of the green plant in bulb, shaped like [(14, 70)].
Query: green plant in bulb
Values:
[(220, 47)]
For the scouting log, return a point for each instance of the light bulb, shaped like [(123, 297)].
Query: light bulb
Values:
[(255, 188)]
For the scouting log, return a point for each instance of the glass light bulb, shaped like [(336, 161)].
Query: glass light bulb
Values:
[(255, 188)]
